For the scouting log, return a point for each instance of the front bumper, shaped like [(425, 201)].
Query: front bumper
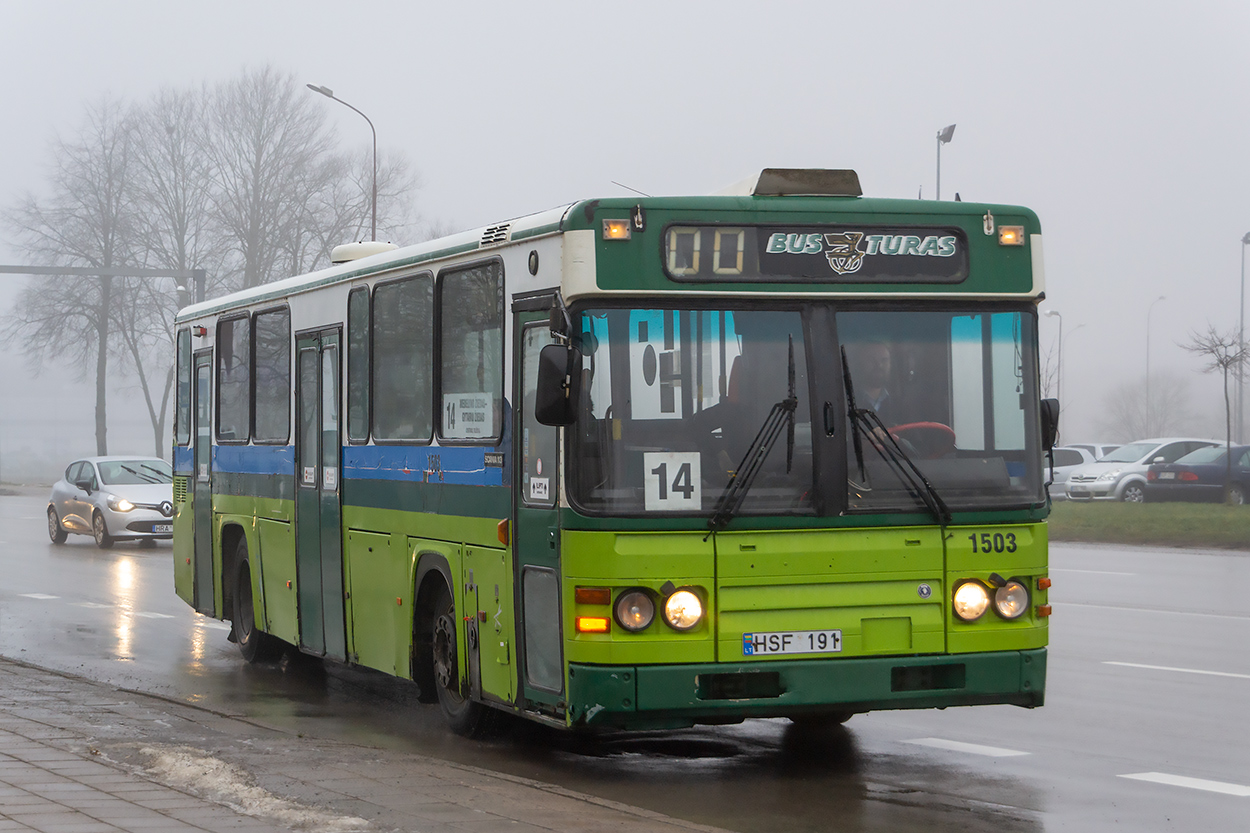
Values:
[(140, 522), (673, 696), (1093, 490)]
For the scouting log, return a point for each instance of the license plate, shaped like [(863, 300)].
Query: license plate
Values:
[(791, 642), (162, 528), (1167, 475)]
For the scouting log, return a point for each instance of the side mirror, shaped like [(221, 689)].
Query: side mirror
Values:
[(85, 485), (559, 385), (1050, 423)]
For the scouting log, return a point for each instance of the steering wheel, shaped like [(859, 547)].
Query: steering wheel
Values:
[(930, 439)]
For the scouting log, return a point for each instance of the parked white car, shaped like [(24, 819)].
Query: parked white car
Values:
[(1067, 460), (1099, 450), (1121, 475)]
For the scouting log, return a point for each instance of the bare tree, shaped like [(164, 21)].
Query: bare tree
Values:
[(86, 221), (1227, 355), (271, 152), (174, 231)]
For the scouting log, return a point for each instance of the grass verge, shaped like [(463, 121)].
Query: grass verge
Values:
[(1196, 525)]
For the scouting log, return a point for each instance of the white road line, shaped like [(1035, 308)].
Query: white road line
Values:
[(221, 626), (1182, 670), (1154, 610), (147, 615), (40, 596), (1089, 572), (92, 605), (971, 748), (1192, 783)]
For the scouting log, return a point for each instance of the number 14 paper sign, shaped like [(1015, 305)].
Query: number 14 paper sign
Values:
[(672, 481)]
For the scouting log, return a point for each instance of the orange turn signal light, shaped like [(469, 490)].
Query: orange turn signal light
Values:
[(1043, 610), (502, 530), (616, 230), (592, 624), (592, 596), (1043, 583)]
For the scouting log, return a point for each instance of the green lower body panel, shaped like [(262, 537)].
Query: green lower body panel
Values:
[(671, 696)]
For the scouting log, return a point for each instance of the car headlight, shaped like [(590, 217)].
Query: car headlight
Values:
[(634, 610), (1011, 600), (119, 504), (1111, 475), (683, 610), (971, 600)]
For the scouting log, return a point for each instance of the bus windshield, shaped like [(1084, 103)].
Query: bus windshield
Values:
[(675, 402)]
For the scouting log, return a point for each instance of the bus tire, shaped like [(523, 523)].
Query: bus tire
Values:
[(254, 644), (464, 716)]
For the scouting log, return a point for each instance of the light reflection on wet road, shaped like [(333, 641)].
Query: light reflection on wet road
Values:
[(112, 616)]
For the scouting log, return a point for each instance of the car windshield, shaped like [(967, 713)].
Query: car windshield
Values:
[(676, 402), (135, 472), (1130, 453), (1213, 454)]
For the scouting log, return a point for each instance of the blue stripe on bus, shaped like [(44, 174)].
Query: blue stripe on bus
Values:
[(461, 465)]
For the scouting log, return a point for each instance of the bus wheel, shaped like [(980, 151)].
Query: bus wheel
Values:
[(464, 716), (101, 532), (254, 644)]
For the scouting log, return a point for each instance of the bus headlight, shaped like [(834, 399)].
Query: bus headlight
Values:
[(683, 610), (971, 600), (1011, 600), (634, 610)]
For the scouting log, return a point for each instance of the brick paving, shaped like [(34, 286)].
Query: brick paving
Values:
[(81, 757)]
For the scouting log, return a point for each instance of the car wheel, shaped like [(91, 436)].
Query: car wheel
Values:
[(464, 716), (1236, 495), (254, 644), (1133, 493), (55, 530), (101, 532)]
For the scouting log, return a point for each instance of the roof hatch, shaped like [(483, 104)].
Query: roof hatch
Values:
[(807, 182)]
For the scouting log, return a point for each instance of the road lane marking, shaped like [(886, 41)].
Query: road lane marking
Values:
[(221, 626), (92, 605), (1154, 610), (147, 615), (1089, 572), (1182, 670), (1192, 783), (40, 596), (971, 748)]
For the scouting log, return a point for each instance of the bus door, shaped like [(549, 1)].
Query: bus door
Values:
[(202, 489), (318, 514), (536, 533)]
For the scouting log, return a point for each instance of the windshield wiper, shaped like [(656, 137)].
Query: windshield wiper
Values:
[(781, 416), (867, 421), (140, 474)]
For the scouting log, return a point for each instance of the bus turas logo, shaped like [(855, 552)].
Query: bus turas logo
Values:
[(846, 250), (843, 251)]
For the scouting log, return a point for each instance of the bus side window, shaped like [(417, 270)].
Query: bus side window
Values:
[(234, 406), (403, 357)]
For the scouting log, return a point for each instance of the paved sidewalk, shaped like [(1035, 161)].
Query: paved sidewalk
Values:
[(80, 757)]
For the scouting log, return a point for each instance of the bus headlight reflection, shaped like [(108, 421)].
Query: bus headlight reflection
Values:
[(971, 600), (683, 610), (1011, 600)]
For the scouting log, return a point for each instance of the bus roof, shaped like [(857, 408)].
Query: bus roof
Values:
[(774, 192)]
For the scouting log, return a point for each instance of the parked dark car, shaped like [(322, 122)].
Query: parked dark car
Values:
[(1200, 476)]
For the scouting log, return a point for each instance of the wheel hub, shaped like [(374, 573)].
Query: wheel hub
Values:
[(444, 651)]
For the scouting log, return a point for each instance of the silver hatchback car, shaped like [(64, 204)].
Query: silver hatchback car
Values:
[(113, 499)]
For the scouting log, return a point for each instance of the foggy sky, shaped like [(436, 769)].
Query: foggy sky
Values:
[(1124, 125)]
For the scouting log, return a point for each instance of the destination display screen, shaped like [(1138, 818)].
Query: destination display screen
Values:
[(816, 254)]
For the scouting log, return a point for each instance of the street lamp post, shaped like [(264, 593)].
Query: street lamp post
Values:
[(329, 93), (943, 137), (1241, 343), (1054, 313), (1149, 310)]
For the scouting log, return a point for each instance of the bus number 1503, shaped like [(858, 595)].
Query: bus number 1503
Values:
[(999, 542)]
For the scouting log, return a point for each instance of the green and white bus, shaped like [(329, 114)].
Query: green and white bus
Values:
[(638, 463)]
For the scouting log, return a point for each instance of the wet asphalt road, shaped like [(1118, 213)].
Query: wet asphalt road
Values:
[(1145, 726)]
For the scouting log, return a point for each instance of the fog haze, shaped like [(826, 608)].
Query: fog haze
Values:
[(1124, 125)]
